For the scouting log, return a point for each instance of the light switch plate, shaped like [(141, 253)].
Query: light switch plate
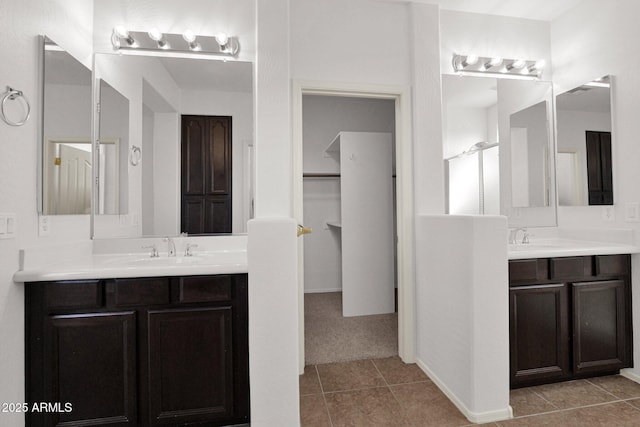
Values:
[(632, 212), (7, 226)]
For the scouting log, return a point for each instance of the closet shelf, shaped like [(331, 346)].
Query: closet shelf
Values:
[(336, 224)]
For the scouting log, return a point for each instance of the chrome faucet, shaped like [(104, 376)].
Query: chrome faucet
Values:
[(513, 236), (154, 250), (171, 247), (188, 251)]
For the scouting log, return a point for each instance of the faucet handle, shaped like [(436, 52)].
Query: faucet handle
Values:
[(525, 238), (187, 251), (154, 250)]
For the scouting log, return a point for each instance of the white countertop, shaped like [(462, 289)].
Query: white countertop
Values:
[(136, 265), (558, 247), (124, 258)]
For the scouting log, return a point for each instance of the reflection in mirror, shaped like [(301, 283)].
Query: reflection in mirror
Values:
[(66, 133), (584, 144), (112, 154), (527, 164), (169, 99), (470, 125), (497, 147), (529, 156)]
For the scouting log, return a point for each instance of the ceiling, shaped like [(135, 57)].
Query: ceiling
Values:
[(541, 10)]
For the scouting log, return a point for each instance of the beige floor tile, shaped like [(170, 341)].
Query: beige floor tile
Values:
[(634, 402), (525, 401), (425, 405), (614, 414), (309, 382), (313, 411), (365, 408), (621, 387), (573, 394), (349, 376), (395, 371)]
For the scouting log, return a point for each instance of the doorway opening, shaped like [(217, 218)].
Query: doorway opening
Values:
[(318, 195)]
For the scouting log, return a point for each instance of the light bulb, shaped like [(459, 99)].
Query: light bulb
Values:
[(495, 61), (222, 38), (155, 35), (519, 63), (189, 36), (470, 59), (121, 32)]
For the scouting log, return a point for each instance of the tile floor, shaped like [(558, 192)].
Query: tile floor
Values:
[(387, 392)]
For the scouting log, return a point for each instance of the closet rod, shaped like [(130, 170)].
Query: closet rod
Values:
[(321, 175), (326, 175)]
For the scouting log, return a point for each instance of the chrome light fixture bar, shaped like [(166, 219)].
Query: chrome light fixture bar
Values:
[(187, 44), (498, 67)]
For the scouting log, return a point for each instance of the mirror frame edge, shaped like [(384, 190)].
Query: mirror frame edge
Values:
[(40, 132)]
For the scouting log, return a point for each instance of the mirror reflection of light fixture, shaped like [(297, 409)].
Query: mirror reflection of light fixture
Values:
[(497, 67), (187, 44)]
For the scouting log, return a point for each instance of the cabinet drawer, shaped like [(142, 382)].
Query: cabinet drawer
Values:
[(203, 289), (128, 292), (571, 267), (528, 270), (610, 265), (73, 294)]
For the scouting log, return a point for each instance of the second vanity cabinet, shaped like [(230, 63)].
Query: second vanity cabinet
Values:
[(570, 317), (138, 352)]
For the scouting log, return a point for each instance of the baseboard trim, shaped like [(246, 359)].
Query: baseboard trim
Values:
[(322, 291), (629, 374), (474, 417)]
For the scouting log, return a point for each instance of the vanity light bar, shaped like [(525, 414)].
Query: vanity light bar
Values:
[(146, 43), (497, 67)]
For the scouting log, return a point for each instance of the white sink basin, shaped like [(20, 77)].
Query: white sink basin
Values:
[(138, 260)]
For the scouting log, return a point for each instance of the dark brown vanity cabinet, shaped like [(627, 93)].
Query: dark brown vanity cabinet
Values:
[(138, 352), (569, 318)]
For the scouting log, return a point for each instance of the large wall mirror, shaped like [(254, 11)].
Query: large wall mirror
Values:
[(65, 147), (158, 118), (585, 166), (498, 148)]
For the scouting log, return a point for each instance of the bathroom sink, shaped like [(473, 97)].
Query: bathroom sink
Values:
[(163, 261)]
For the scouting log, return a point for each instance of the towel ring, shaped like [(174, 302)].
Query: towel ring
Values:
[(135, 155), (12, 94)]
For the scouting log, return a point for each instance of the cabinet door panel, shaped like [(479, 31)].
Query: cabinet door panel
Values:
[(93, 368), (190, 365), (599, 326), (539, 334)]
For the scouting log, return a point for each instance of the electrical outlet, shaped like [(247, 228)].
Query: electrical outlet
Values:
[(608, 214), (44, 225)]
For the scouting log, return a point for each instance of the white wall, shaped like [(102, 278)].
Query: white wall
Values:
[(67, 22), (592, 40), (463, 319), (323, 118)]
